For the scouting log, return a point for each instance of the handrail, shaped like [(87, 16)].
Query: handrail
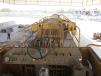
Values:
[(94, 45), (78, 39), (65, 18)]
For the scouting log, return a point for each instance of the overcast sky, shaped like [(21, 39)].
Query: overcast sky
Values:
[(37, 7)]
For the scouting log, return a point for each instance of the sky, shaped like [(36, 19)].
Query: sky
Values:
[(38, 7)]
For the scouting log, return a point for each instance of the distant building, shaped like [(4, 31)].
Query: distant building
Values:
[(6, 25)]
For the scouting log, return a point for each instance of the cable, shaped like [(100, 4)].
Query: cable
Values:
[(39, 51)]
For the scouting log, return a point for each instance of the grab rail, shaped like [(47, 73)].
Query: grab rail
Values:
[(78, 39), (94, 45)]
